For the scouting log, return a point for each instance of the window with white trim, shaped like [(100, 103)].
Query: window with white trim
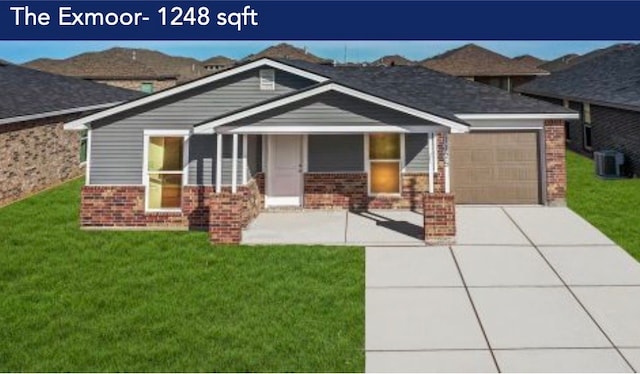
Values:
[(164, 171), (586, 125), (84, 139), (267, 80), (385, 163)]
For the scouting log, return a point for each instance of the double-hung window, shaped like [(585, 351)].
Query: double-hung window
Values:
[(165, 170), (385, 163), (586, 123)]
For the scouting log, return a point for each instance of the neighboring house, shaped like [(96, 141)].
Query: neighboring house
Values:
[(35, 152), (218, 63), (482, 65), (214, 152), (531, 61), (605, 91), (134, 69), (393, 60), (569, 60), (289, 52)]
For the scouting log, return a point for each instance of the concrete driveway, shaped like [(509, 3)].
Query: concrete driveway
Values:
[(525, 289)]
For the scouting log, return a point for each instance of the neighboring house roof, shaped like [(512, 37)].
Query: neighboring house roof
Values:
[(289, 52), (411, 87), (529, 60), (472, 60), (219, 60), (611, 79), (30, 94), (559, 63), (574, 59), (393, 60), (123, 64)]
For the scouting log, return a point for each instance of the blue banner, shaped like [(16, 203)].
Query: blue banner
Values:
[(317, 20)]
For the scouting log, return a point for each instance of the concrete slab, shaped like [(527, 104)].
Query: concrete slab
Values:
[(385, 227), (561, 361), (504, 266), (594, 265), (411, 267), (633, 357), (486, 225), (308, 227), (556, 226), (616, 309), (430, 362), (535, 318), (420, 319)]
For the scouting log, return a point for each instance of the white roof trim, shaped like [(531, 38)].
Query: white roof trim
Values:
[(208, 127), (80, 123), (54, 113), (512, 116), (329, 129), (499, 128)]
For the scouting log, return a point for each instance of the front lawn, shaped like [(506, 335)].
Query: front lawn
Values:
[(75, 300), (613, 206)]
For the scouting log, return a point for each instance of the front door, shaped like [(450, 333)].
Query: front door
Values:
[(284, 172)]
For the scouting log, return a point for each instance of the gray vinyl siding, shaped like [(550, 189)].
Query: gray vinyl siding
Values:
[(416, 153), (336, 153), (333, 109), (117, 142), (202, 155)]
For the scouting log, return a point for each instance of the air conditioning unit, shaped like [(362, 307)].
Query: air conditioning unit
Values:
[(608, 163)]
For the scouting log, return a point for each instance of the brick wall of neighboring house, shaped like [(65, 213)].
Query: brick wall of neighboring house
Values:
[(619, 130), (439, 218), (35, 155), (123, 206), (136, 84), (556, 173)]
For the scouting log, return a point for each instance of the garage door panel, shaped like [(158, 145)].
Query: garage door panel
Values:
[(495, 168)]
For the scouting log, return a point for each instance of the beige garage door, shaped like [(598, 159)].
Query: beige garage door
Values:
[(495, 168)]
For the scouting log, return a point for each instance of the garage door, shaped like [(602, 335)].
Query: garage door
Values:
[(495, 168)]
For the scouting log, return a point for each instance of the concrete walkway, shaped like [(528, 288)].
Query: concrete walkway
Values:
[(525, 289), (376, 227)]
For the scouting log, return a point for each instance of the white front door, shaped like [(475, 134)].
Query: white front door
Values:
[(284, 172)]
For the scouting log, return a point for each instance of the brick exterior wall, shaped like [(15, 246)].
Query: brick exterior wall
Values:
[(35, 155), (439, 218), (556, 173), (619, 130), (123, 206), (136, 84), (350, 191), (226, 217)]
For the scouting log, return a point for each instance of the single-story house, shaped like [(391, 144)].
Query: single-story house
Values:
[(605, 91), (271, 133), (35, 151), (485, 66)]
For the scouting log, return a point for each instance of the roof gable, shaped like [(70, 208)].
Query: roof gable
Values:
[(473, 60)]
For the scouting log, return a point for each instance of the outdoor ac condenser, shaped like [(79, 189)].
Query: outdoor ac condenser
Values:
[(608, 163)]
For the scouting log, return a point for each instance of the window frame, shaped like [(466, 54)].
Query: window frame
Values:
[(267, 83), (368, 161), (586, 124), (84, 139), (185, 134)]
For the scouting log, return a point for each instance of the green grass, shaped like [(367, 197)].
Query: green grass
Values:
[(613, 206), (73, 300)]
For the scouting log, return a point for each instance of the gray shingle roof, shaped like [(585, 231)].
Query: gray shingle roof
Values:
[(431, 91), (610, 79), (26, 92)]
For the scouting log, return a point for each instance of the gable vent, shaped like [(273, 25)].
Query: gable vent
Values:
[(267, 80)]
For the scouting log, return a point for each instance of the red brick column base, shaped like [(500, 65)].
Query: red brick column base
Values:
[(554, 138), (226, 217), (439, 218)]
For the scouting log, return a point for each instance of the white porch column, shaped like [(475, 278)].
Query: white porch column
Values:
[(219, 163), (447, 177), (245, 164), (234, 165), (431, 163)]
